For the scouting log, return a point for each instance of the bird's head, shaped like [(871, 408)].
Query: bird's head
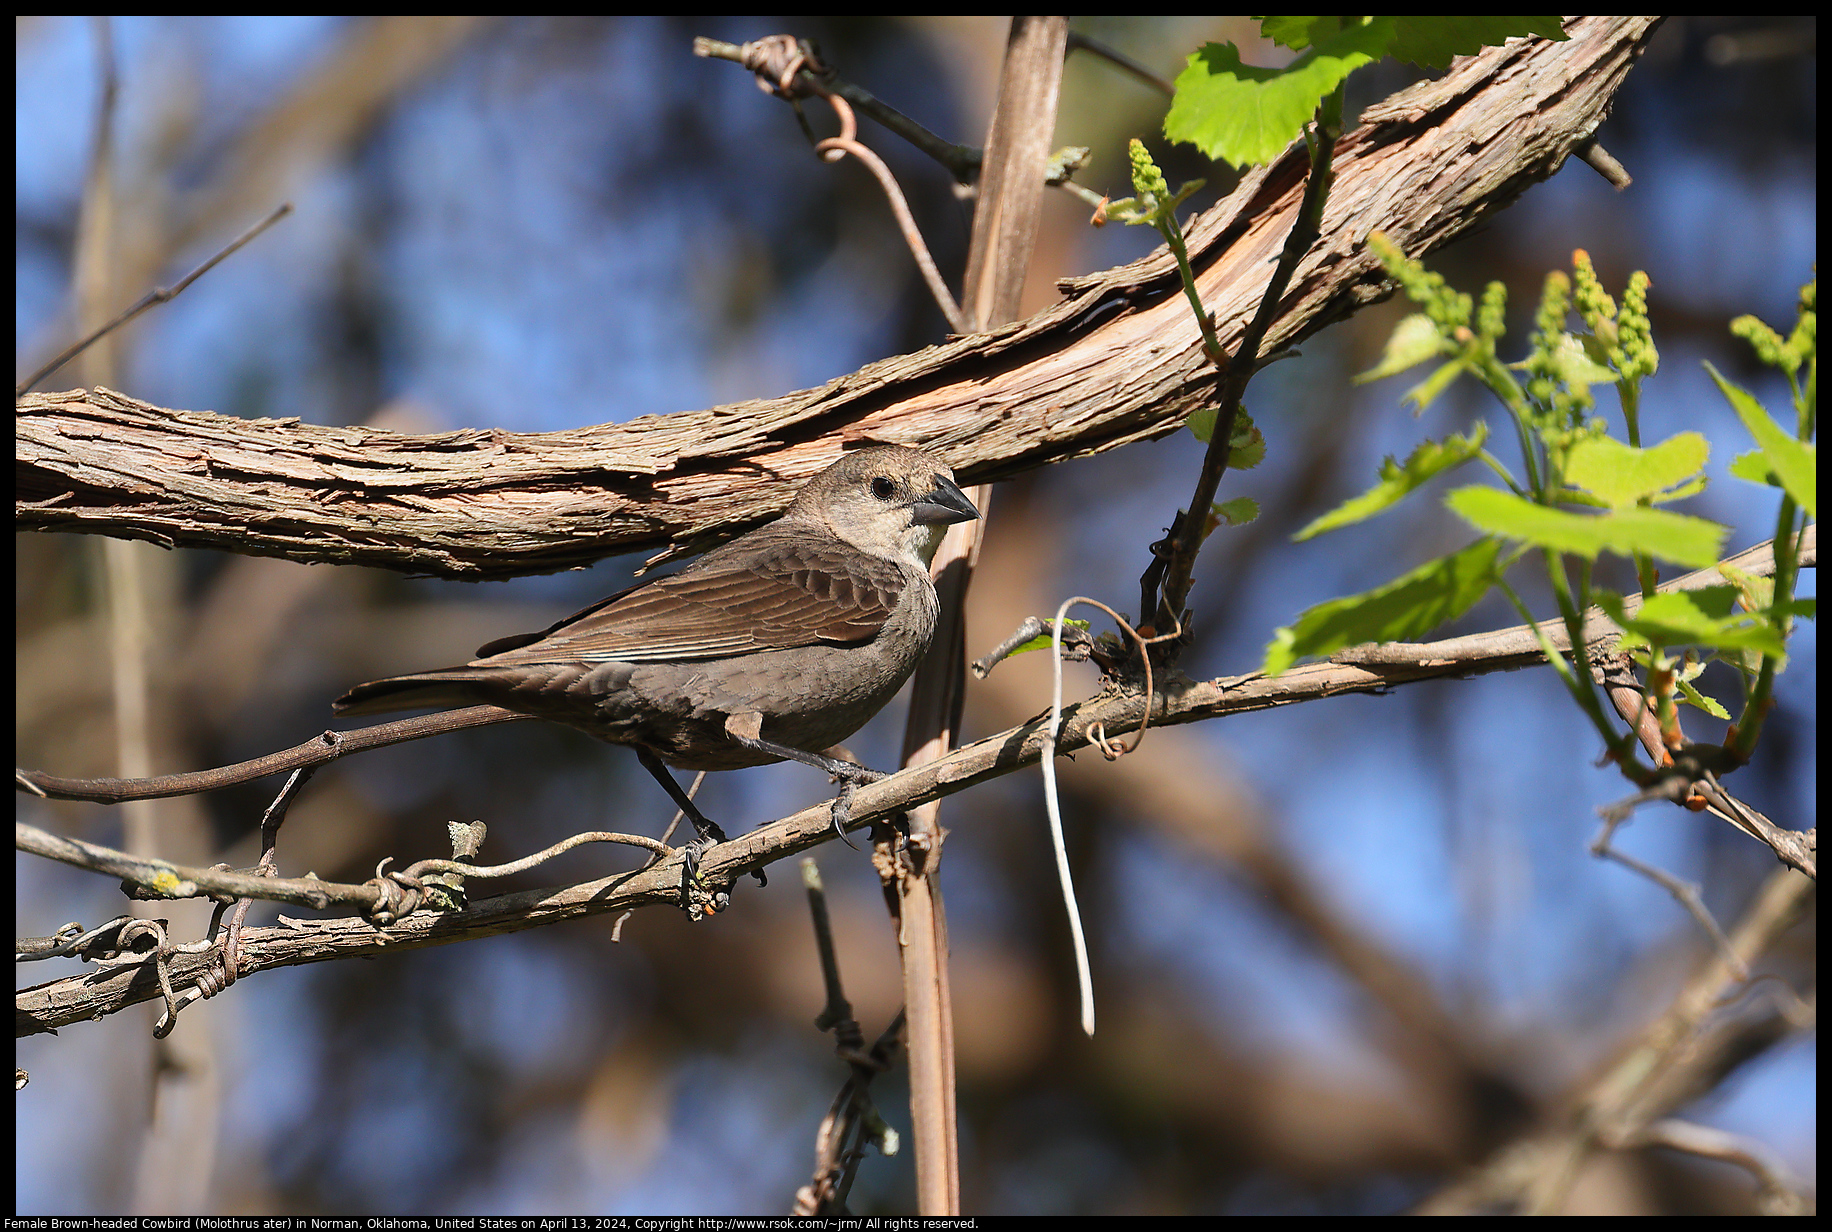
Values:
[(888, 500)]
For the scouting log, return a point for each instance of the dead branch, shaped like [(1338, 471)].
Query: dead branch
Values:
[(1118, 360)]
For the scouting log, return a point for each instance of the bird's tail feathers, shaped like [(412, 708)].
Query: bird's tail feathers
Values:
[(438, 690)]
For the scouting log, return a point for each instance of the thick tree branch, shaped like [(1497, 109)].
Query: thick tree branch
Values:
[(1117, 360)]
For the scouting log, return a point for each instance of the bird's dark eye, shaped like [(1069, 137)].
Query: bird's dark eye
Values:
[(882, 487)]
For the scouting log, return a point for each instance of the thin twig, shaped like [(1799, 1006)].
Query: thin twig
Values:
[(693, 793), (166, 880), (67, 1002), (1075, 640), (317, 751), (1685, 893), (482, 871), (1782, 1191), (767, 58), (1187, 534), (1632, 703), (267, 866), (839, 1142), (1081, 42), (73, 941), (1797, 849), (158, 295), (835, 148), (838, 1009), (1605, 164)]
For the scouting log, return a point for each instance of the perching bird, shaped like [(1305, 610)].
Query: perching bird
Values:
[(780, 644)]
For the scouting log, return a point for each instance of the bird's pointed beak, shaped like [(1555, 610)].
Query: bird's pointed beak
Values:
[(942, 505)]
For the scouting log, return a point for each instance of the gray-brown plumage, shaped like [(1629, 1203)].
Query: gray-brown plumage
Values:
[(780, 644)]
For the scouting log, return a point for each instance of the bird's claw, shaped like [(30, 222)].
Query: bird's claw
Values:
[(700, 899), (842, 813), (842, 804)]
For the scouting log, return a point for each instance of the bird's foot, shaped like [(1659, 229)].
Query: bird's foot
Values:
[(707, 837), (849, 780), (699, 898)]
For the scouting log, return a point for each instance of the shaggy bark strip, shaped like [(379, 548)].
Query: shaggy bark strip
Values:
[(1118, 360)]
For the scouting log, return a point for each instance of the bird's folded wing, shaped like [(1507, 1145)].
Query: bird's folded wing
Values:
[(786, 596)]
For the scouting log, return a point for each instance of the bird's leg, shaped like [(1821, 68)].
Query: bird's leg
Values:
[(842, 803), (707, 832), (849, 774)]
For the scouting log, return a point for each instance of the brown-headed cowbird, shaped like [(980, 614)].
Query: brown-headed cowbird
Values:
[(779, 644)]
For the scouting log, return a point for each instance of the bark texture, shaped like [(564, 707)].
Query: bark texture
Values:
[(1117, 360)]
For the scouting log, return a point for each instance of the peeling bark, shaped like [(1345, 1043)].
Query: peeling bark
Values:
[(1118, 360)]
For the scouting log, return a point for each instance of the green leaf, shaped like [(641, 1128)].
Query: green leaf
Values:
[(1703, 617), (1792, 462), (1426, 391), (1247, 448), (1293, 32), (1202, 423), (1690, 541), (1754, 467), (1237, 512), (1758, 593), (1414, 340), (1689, 693), (1432, 41), (1623, 475), (1247, 115), (1244, 115), (1042, 640), (1401, 611), (1398, 480)]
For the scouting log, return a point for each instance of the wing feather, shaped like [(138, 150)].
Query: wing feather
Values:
[(796, 590)]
